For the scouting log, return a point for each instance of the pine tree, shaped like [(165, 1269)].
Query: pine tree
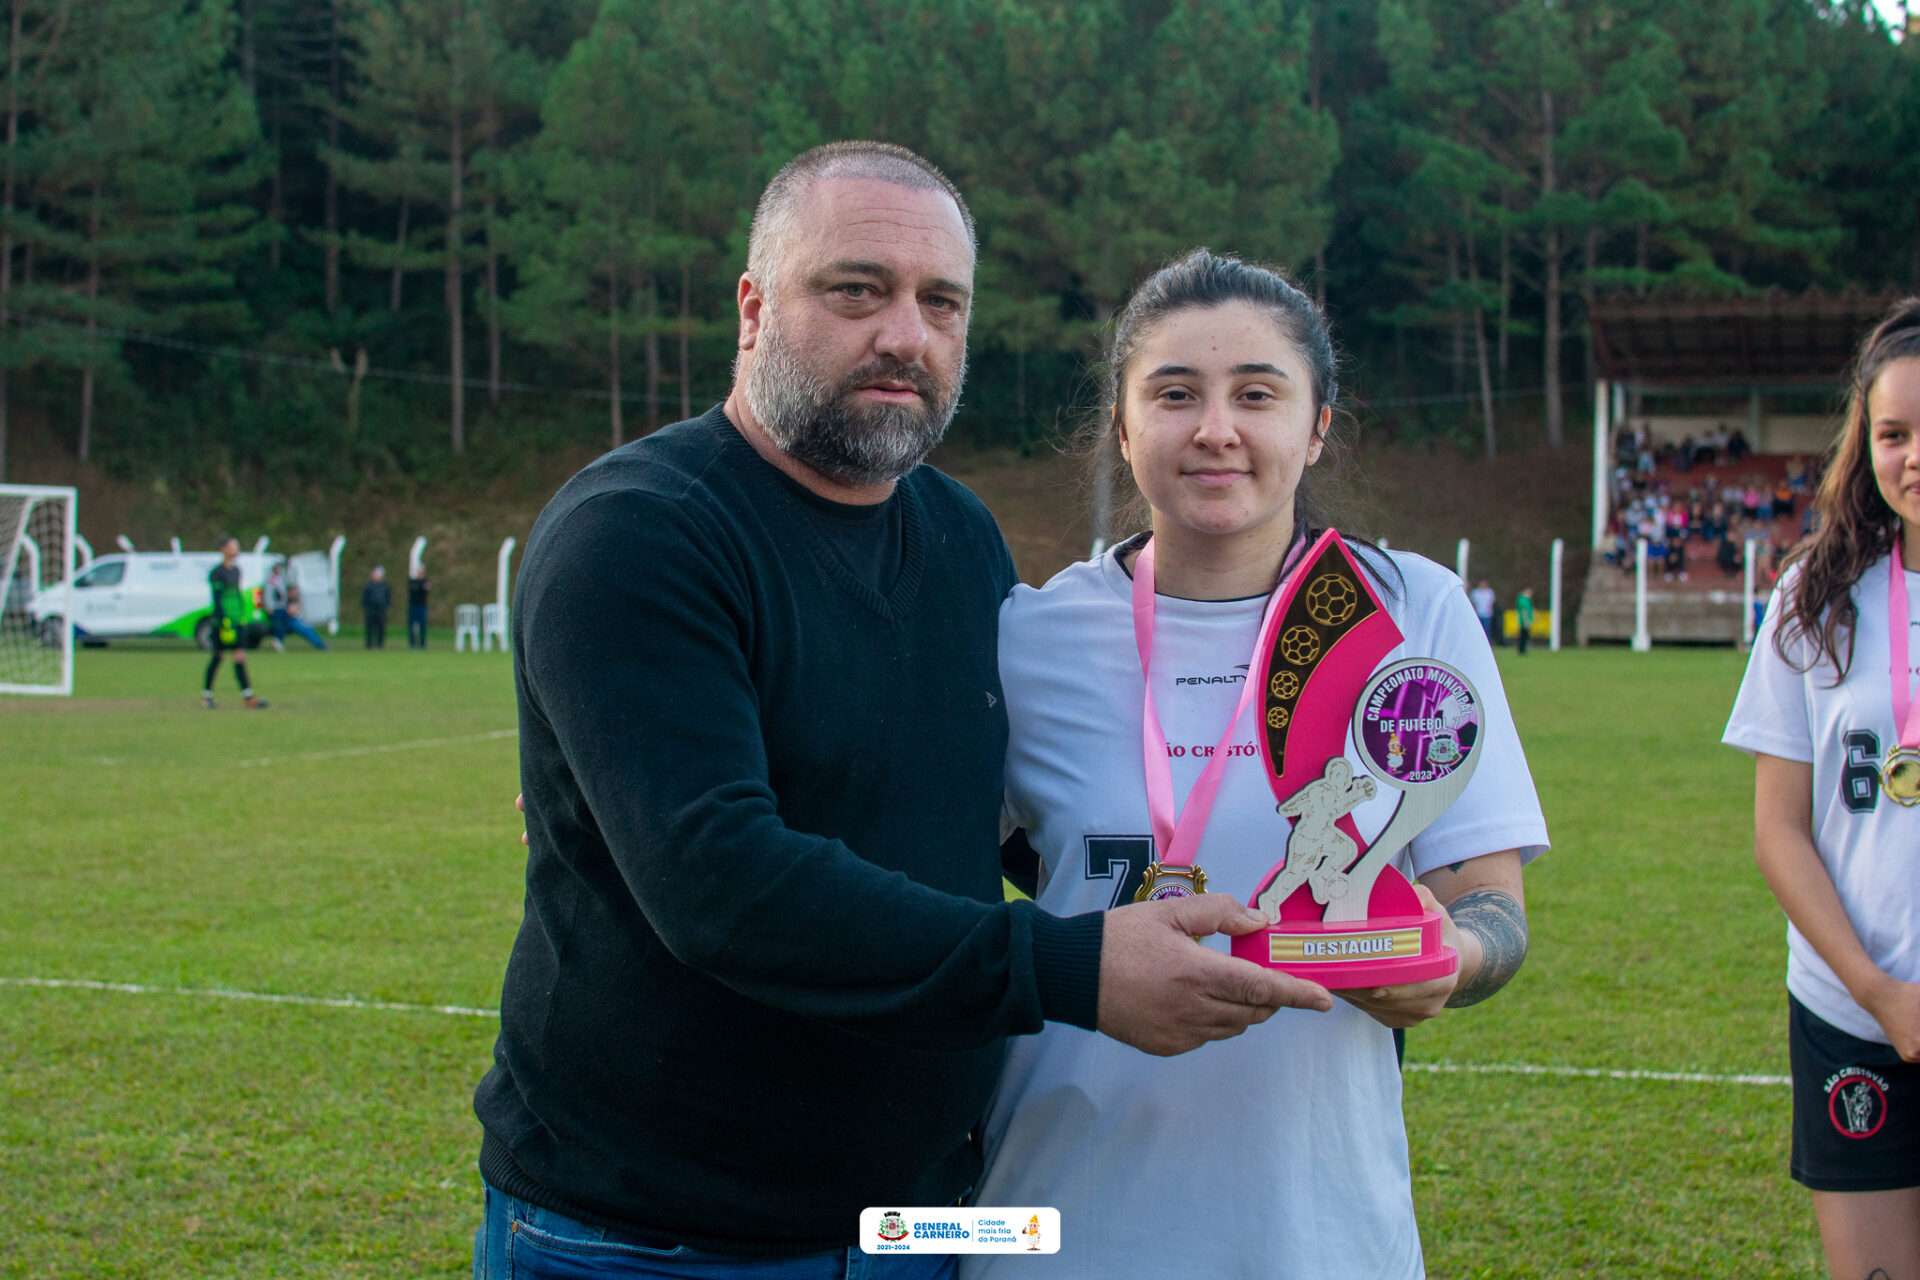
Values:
[(1747, 197), (1868, 129), (1109, 136), (434, 79), (1450, 195), (585, 237), (1552, 126), (147, 146), (610, 210), (33, 43)]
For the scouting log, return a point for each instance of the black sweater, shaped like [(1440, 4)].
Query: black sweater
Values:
[(765, 967)]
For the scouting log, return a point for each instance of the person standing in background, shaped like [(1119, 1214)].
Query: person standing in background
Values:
[(1482, 597), (233, 614), (417, 588), (297, 624), (376, 597), (1523, 615), (274, 597), (1827, 711)]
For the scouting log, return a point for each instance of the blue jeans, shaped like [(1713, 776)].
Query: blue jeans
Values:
[(520, 1241), (285, 623)]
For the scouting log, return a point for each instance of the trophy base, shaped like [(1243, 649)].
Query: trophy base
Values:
[(1386, 951)]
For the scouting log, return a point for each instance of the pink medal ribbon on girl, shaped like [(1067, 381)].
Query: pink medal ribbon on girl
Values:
[(1177, 839), (1900, 775)]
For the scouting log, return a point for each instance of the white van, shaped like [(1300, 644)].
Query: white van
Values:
[(144, 593), (312, 573)]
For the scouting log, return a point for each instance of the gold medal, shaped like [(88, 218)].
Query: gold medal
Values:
[(1182, 882), (1900, 775)]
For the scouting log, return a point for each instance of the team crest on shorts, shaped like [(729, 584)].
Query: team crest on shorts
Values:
[(893, 1225), (1857, 1101)]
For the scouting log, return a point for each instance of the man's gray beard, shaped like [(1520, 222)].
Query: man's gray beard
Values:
[(825, 428)]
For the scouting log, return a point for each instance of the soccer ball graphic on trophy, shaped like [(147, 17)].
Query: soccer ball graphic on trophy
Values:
[(1331, 599), (1299, 645)]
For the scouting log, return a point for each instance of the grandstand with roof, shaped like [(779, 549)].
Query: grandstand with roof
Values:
[(1699, 402)]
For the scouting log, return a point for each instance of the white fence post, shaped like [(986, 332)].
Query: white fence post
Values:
[(1746, 601), (1602, 450), (1553, 595), (1642, 641), (260, 545), (84, 550), (413, 556), (333, 567), (502, 595), (1460, 560)]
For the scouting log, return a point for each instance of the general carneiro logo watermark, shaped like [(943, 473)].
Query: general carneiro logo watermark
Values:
[(1027, 1229)]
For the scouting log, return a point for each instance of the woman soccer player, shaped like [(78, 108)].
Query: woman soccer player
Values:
[(1827, 711), (1281, 1152)]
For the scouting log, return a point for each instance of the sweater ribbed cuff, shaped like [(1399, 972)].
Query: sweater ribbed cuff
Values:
[(1066, 966)]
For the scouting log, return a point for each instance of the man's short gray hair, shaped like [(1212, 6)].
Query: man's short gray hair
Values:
[(773, 217)]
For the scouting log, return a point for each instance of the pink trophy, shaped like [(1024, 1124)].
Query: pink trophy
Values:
[(1340, 913)]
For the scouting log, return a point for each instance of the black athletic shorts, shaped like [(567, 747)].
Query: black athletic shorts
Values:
[(1856, 1109)]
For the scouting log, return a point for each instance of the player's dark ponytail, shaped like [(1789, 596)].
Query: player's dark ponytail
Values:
[(1854, 525)]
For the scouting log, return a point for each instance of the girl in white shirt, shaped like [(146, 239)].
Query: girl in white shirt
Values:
[(1828, 712), (1281, 1152)]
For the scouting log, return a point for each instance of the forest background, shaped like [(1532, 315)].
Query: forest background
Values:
[(258, 252)]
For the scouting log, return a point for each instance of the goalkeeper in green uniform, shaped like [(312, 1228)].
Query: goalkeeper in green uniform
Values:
[(235, 623)]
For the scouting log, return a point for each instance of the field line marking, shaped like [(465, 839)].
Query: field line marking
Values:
[(394, 1006), (379, 748), (263, 997), (1588, 1073)]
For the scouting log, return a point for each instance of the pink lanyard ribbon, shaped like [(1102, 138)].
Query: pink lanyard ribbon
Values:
[(1176, 841), (1906, 713)]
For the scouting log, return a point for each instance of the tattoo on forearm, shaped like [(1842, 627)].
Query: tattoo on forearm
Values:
[(1500, 922)]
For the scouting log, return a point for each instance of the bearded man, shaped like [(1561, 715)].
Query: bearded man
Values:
[(765, 968)]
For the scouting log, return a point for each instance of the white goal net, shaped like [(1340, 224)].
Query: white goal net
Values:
[(38, 546)]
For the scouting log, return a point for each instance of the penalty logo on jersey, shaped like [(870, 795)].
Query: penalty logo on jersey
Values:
[(1857, 1102)]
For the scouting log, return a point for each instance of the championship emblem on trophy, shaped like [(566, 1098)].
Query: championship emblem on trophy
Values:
[(1340, 912)]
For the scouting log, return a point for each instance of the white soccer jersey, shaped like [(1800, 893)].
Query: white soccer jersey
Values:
[(1281, 1152), (1868, 842)]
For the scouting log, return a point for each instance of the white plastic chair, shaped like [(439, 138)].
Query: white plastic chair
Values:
[(494, 624), (466, 626)]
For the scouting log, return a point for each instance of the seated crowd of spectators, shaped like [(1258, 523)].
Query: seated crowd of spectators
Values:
[(1721, 508)]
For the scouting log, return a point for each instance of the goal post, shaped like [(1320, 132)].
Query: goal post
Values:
[(39, 542)]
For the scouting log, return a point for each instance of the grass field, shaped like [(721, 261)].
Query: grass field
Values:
[(298, 852)]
